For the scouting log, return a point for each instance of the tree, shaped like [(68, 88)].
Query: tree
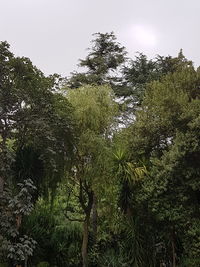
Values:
[(102, 63), (23, 91), (34, 115), (165, 134), (141, 71), (94, 110), (45, 152), (33, 118)]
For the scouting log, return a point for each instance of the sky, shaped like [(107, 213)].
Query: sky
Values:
[(54, 34)]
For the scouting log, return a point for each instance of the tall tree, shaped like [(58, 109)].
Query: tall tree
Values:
[(102, 63), (141, 71), (165, 133), (33, 117), (94, 109)]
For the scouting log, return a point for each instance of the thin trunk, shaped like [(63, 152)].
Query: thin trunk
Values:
[(129, 212), (18, 221), (85, 241), (1, 185), (26, 262), (87, 208), (173, 255), (4, 159), (173, 250), (94, 219)]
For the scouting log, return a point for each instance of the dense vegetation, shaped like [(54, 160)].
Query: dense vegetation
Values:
[(100, 168)]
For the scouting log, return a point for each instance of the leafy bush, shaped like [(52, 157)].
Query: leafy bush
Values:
[(59, 241)]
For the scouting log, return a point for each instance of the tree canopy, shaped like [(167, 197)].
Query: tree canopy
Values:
[(78, 188)]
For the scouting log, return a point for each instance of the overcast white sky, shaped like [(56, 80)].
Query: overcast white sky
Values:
[(54, 34)]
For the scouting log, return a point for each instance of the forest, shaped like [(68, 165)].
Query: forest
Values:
[(101, 168)]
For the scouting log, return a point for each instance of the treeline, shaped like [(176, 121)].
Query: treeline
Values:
[(100, 168)]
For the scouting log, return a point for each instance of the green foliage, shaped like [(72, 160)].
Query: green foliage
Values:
[(165, 132), (129, 176), (16, 247), (94, 112), (105, 58), (141, 71), (43, 264), (34, 122), (190, 262), (125, 196), (94, 107), (21, 204), (36, 118), (113, 259), (22, 250), (128, 170), (58, 240)]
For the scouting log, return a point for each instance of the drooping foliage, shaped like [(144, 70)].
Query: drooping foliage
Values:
[(94, 112), (35, 128)]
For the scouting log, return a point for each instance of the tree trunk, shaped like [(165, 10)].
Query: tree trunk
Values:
[(26, 262), (87, 208), (94, 219), (173, 250), (4, 160), (129, 212), (85, 241), (1, 185)]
